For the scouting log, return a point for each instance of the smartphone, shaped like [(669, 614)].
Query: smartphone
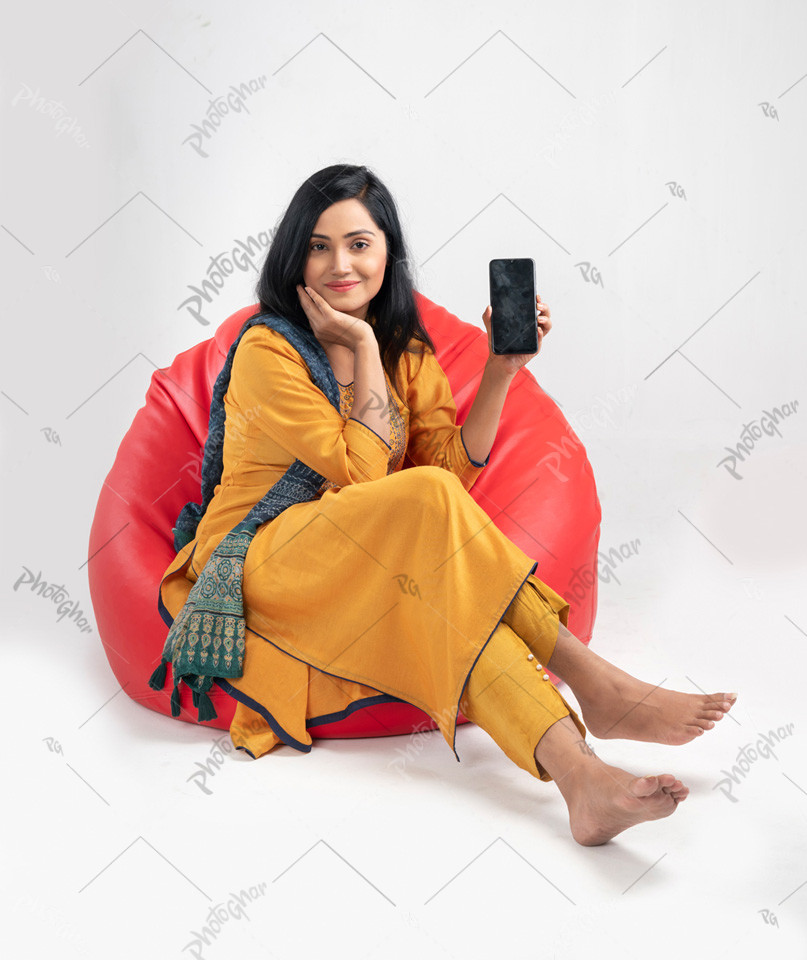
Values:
[(513, 318)]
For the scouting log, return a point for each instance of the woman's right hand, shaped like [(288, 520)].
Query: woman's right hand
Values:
[(328, 325)]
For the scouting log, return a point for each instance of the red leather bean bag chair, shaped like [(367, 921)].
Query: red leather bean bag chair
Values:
[(538, 488)]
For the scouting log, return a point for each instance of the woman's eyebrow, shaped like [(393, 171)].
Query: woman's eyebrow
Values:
[(352, 233)]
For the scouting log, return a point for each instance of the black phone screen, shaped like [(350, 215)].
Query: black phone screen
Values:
[(513, 318)]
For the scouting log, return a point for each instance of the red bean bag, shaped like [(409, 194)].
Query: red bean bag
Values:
[(538, 488)]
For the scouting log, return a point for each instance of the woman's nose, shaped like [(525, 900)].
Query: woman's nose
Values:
[(341, 261)]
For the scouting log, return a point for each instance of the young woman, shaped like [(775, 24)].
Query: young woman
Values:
[(389, 584)]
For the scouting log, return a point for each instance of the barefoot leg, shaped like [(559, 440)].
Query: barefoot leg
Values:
[(613, 703), (616, 705), (602, 800)]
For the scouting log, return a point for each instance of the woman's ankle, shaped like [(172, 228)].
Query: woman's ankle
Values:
[(565, 755), (580, 668)]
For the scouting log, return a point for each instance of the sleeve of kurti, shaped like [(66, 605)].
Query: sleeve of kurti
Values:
[(435, 439), (272, 382)]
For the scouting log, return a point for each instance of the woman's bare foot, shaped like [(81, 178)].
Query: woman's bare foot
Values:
[(629, 709), (602, 800), (616, 705), (613, 800)]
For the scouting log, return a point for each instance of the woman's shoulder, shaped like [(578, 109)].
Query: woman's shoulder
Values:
[(262, 333), (262, 343), (415, 355)]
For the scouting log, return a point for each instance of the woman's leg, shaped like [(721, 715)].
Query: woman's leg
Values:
[(508, 698), (614, 704), (602, 800), (534, 726)]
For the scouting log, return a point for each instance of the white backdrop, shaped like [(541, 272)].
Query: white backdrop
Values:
[(650, 158)]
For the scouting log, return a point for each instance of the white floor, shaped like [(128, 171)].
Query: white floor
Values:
[(115, 845)]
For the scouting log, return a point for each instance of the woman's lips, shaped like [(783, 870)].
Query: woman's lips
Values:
[(342, 286)]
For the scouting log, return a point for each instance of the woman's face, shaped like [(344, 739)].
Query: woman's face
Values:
[(346, 246)]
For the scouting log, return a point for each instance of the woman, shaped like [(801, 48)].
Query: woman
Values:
[(384, 584)]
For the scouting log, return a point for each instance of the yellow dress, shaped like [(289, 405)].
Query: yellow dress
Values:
[(386, 586)]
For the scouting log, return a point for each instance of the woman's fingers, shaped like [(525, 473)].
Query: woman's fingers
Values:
[(544, 323)]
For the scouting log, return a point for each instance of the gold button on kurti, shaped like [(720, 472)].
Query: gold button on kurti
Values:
[(388, 585)]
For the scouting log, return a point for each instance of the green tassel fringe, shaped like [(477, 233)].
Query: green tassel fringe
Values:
[(157, 679), (206, 708)]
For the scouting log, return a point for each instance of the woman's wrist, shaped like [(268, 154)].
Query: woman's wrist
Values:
[(497, 373)]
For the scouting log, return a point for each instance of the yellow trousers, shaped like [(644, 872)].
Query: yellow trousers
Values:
[(506, 694)]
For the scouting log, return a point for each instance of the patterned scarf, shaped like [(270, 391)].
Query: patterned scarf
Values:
[(208, 637)]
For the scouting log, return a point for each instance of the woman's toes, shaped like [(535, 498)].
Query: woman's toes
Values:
[(644, 786)]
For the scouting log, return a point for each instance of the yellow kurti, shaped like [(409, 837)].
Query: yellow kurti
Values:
[(387, 585)]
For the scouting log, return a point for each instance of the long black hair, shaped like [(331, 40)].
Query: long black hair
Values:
[(396, 317)]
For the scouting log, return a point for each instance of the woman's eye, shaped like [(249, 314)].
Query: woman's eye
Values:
[(363, 242)]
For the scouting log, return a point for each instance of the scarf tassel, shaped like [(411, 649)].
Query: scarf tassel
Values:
[(205, 706), (201, 700), (157, 679)]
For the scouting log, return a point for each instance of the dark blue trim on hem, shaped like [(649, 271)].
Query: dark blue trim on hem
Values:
[(338, 676), (287, 738), (462, 691), (352, 708), (165, 615), (476, 463), (371, 430)]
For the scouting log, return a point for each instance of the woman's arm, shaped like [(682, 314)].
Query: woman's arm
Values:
[(370, 402), (482, 421)]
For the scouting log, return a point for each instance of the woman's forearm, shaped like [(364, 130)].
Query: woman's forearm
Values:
[(482, 423), (370, 403)]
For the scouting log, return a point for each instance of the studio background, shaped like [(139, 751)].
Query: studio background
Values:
[(649, 157)]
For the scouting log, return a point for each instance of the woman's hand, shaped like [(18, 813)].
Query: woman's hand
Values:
[(511, 363), (331, 326)]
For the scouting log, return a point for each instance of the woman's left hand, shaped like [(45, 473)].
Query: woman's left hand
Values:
[(511, 363)]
